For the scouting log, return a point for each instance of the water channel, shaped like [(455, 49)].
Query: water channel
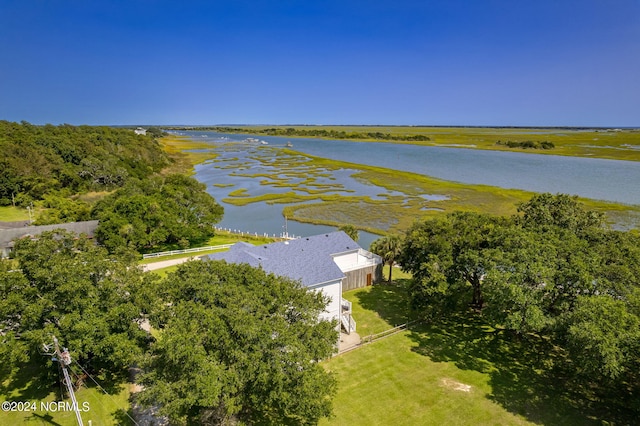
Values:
[(610, 180)]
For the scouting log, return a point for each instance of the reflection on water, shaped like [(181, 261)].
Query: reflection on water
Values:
[(264, 169), (243, 169)]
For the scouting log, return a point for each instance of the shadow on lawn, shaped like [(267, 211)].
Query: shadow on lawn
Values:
[(35, 382), (528, 376), (123, 418), (44, 419), (30, 382), (390, 301)]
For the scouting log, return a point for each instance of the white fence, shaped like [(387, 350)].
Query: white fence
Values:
[(284, 235), (185, 251), (373, 337)]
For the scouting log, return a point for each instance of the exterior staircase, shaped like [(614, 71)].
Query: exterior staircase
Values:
[(348, 323)]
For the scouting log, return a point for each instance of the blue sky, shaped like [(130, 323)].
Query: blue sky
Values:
[(484, 62)]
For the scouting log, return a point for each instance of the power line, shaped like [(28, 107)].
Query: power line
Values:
[(103, 390), (64, 360)]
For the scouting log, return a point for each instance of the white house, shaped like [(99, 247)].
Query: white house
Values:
[(329, 263)]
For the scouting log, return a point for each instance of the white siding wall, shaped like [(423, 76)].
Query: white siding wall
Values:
[(334, 291)]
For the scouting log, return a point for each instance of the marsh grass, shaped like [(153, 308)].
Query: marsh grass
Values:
[(403, 196), (390, 212), (181, 150), (240, 192), (617, 144)]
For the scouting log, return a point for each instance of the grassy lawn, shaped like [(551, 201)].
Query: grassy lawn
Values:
[(101, 409), (387, 383), (457, 370), (164, 271), (13, 214), (223, 237), (177, 256), (380, 307)]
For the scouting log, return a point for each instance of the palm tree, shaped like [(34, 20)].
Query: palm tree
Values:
[(351, 231), (388, 248)]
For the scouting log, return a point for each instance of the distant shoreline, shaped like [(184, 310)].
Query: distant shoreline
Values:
[(605, 143)]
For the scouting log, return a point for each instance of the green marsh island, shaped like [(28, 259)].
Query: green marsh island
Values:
[(311, 188)]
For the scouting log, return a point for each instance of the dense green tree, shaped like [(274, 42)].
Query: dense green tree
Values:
[(388, 248), (553, 270), (155, 132), (66, 286), (450, 256), (57, 209), (238, 344), (39, 160), (560, 210), (155, 212), (516, 287), (603, 337)]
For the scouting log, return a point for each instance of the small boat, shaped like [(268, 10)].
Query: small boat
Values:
[(264, 142), (289, 144)]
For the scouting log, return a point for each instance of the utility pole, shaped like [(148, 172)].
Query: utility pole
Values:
[(64, 359)]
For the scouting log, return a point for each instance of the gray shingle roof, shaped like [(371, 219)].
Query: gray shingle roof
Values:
[(306, 259), (8, 235)]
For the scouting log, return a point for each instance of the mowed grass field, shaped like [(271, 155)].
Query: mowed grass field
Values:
[(13, 214), (388, 383), (456, 371)]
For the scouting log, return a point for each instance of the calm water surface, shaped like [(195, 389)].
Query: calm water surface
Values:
[(610, 180)]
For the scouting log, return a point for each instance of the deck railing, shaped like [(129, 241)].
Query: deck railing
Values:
[(346, 305), (348, 323)]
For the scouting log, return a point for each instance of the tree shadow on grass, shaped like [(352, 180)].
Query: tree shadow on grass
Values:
[(529, 376), (390, 301), (123, 418), (44, 419), (35, 382), (29, 382), (108, 382)]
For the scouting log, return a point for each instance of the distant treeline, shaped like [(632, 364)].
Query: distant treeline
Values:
[(320, 133), (40, 160), (527, 144)]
